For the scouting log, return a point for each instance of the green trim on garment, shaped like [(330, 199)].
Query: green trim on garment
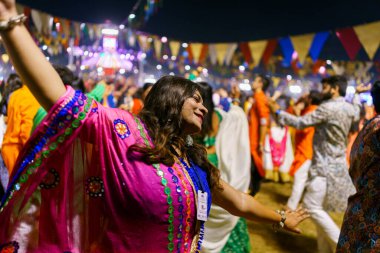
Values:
[(96, 94)]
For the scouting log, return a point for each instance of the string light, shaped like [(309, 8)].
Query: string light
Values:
[(322, 70), (295, 89)]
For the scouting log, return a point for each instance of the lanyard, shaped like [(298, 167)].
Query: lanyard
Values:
[(198, 177), (195, 168)]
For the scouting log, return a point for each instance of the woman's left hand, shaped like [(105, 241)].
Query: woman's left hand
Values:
[(294, 218)]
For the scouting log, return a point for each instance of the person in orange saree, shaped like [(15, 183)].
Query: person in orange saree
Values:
[(22, 107), (304, 149), (259, 116)]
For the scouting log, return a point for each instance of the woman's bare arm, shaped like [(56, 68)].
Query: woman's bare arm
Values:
[(29, 62), (244, 205)]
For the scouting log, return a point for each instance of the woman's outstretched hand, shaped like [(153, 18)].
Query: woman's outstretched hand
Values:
[(294, 218), (7, 9)]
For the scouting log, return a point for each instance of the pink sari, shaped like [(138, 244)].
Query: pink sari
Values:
[(75, 188)]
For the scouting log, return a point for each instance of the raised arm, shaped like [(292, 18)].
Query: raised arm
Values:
[(240, 204), (311, 119), (29, 62)]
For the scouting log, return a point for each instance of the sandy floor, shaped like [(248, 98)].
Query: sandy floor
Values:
[(265, 240)]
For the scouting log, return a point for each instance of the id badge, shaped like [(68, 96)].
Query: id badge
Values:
[(202, 206)]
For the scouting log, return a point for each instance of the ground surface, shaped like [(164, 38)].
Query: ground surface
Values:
[(265, 240)]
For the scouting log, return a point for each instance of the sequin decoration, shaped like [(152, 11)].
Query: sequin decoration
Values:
[(121, 128), (188, 204), (180, 208), (94, 108), (95, 187), (40, 149), (167, 191), (51, 180), (197, 184), (10, 247)]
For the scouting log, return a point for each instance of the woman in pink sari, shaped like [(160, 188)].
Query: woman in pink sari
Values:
[(96, 179)]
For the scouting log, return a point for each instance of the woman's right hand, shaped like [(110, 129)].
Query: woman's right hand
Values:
[(7, 9), (294, 218)]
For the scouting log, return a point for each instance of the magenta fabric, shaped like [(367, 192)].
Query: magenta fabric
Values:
[(81, 191), (278, 149)]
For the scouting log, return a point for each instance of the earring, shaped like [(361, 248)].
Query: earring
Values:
[(189, 141)]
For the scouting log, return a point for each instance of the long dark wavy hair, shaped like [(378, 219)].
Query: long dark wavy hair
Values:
[(162, 117), (206, 93)]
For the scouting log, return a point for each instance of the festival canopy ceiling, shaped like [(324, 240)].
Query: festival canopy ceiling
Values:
[(219, 21)]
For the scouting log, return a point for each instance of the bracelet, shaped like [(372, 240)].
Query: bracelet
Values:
[(281, 224), (236, 100), (12, 22), (278, 112)]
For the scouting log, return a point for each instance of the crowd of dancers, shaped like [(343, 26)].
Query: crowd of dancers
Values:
[(104, 166)]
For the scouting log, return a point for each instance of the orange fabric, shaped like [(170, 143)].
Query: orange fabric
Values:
[(351, 140), (292, 130), (22, 108), (10, 153), (137, 106), (259, 115), (303, 143)]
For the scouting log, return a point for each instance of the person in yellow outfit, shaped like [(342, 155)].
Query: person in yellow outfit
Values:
[(21, 109)]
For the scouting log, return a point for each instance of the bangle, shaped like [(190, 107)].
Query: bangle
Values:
[(236, 100), (278, 112), (12, 22), (281, 223)]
